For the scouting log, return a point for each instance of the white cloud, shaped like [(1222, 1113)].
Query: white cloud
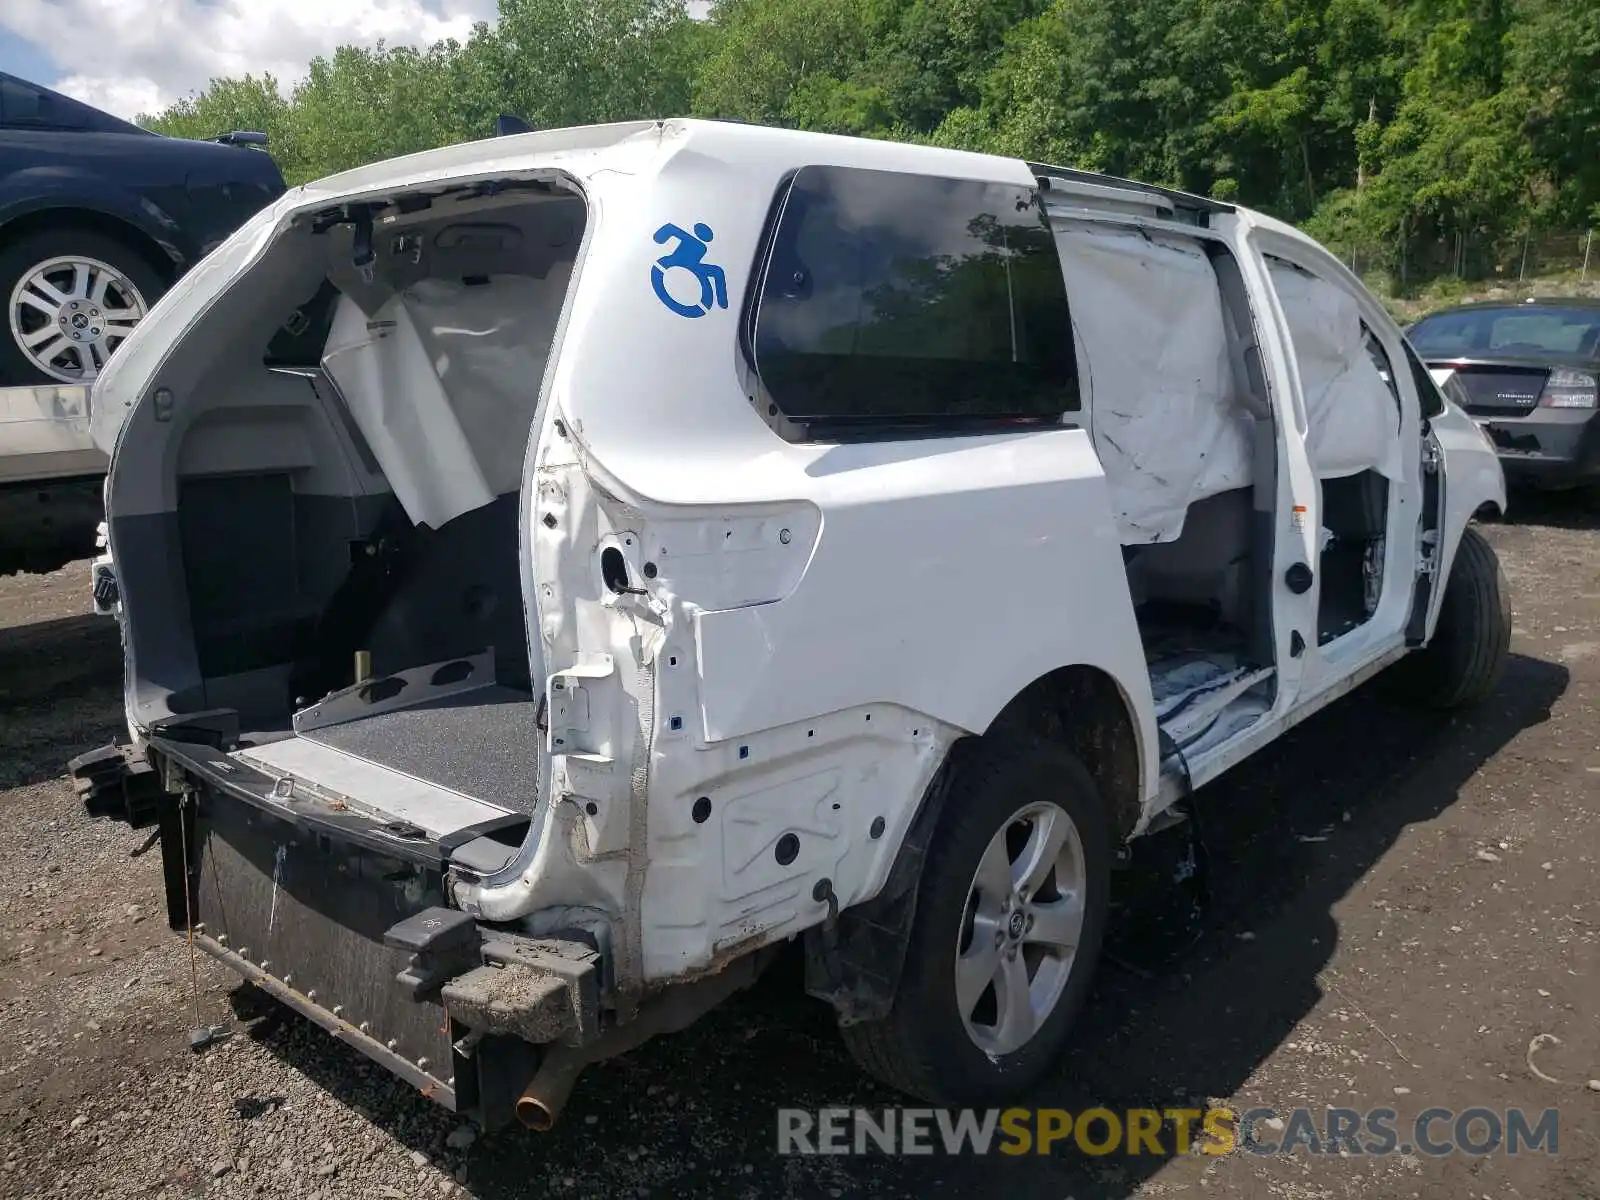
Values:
[(132, 56), (122, 97)]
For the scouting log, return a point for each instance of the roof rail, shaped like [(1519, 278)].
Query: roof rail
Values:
[(1044, 172)]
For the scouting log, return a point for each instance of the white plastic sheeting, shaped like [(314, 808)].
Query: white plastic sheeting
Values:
[(443, 381), (1353, 421), (1165, 406), (1165, 419), (1193, 693)]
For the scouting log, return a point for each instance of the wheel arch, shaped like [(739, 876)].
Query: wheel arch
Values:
[(1473, 481), (160, 255), (1085, 709), (854, 959)]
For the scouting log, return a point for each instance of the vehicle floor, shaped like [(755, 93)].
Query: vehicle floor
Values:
[(483, 743), (1171, 632)]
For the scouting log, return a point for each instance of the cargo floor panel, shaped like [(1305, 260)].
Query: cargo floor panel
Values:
[(347, 779), (483, 743)]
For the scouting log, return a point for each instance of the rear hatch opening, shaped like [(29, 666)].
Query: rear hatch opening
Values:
[(315, 513)]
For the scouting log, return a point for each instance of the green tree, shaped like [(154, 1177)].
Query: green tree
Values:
[(251, 102), (1419, 135), (361, 105), (791, 63), (1555, 61), (1302, 83), (580, 62), (1453, 177)]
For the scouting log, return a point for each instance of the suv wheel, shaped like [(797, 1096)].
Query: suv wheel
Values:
[(71, 297), (1010, 912)]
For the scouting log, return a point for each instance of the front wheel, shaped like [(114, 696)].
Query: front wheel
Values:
[(1010, 913), (1464, 662)]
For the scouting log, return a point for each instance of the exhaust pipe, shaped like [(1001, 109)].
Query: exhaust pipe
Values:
[(542, 1101)]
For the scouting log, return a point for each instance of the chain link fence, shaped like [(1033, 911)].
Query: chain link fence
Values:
[(1475, 259)]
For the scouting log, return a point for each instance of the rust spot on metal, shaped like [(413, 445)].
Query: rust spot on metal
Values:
[(720, 961)]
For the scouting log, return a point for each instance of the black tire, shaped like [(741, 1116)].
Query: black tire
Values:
[(923, 1047), (1463, 663), (19, 258)]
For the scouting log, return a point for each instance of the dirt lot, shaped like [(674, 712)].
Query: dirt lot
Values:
[(1400, 905)]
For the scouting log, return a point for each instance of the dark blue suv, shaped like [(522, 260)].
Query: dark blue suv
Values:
[(97, 219)]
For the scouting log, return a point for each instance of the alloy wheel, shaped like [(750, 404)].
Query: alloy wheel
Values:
[(1020, 928), (68, 314)]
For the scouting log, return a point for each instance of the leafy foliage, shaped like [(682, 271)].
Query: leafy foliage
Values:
[(1423, 136)]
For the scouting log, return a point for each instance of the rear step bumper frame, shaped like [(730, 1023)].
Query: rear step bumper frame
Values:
[(442, 1093), (343, 919)]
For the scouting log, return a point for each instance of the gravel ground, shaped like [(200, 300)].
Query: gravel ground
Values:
[(1400, 905)]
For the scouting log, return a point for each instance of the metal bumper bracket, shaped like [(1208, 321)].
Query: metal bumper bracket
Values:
[(114, 782), (443, 942)]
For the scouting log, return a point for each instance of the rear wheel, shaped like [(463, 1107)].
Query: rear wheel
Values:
[(1463, 663), (72, 296), (1010, 912)]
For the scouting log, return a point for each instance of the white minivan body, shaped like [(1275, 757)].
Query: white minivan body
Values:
[(557, 570)]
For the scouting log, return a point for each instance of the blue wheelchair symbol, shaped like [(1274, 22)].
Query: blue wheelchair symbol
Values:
[(689, 255)]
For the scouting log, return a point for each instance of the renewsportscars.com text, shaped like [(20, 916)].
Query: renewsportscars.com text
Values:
[(1432, 1132)]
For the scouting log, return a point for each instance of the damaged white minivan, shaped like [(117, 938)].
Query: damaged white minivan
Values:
[(559, 570)]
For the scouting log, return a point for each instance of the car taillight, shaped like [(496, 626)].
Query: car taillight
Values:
[(1569, 389)]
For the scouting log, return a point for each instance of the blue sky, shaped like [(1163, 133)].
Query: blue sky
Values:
[(18, 56), (133, 56)]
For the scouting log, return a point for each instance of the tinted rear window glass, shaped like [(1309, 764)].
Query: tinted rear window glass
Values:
[(1526, 329), (1428, 392), (893, 301), (23, 105)]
